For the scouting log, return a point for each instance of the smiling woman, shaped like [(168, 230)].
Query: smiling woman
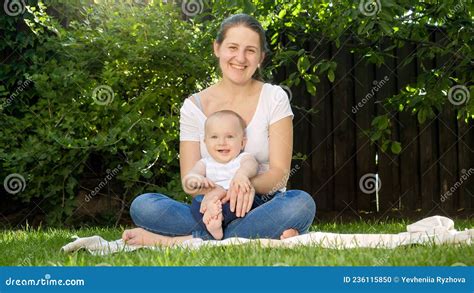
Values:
[(247, 55), (261, 212)]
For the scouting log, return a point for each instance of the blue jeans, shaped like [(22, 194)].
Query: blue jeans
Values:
[(293, 209)]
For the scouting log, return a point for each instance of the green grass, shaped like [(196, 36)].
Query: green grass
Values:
[(40, 247)]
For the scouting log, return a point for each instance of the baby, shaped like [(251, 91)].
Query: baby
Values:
[(227, 166)]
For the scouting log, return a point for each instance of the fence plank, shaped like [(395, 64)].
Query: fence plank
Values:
[(344, 130), (448, 167), (429, 155), (388, 163), (300, 138), (409, 156), (363, 109), (322, 139), (466, 164)]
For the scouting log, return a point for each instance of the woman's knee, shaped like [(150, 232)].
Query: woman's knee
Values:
[(145, 206), (300, 202)]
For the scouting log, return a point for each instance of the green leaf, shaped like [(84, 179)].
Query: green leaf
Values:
[(311, 88), (303, 64), (282, 13), (385, 28), (325, 65), (376, 136), (396, 147), (422, 115), (331, 75)]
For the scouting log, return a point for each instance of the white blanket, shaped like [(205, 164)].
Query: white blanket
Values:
[(432, 230)]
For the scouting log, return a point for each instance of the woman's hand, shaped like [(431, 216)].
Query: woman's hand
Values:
[(241, 201), (216, 193), (240, 181)]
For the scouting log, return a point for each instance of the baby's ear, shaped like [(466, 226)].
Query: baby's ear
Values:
[(244, 142)]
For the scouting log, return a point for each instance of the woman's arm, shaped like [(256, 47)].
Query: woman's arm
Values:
[(189, 155), (248, 166), (280, 153)]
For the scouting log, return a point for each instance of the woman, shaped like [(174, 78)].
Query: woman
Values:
[(240, 48)]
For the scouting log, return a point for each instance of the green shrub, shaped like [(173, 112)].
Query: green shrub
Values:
[(103, 94)]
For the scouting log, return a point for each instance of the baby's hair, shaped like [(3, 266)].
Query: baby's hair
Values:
[(222, 113)]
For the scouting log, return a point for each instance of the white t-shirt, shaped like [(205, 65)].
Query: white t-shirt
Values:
[(273, 105), (221, 174)]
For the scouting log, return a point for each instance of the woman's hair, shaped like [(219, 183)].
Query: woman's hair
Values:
[(250, 22)]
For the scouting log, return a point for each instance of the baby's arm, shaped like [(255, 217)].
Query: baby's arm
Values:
[(248, 169), (195, 181)]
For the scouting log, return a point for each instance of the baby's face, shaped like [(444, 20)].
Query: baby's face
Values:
[(224, 138)]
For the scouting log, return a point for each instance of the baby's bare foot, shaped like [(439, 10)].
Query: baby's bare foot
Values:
[(213, 219), (212, 210)]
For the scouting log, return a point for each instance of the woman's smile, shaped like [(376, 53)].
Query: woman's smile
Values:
[(238, 67)]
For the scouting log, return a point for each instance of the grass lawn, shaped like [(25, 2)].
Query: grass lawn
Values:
[(40, 247)]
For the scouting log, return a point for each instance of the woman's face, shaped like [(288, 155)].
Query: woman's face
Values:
[(239, 54)]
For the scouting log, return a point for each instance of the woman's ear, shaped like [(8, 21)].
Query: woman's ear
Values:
[(216, 47), (262, 58)]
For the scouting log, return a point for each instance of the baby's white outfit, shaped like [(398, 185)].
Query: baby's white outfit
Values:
[(222, 174)]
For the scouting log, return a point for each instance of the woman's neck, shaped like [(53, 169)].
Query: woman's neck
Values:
[(237, 91)]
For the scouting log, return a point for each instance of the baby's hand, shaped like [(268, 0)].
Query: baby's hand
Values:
[(241, 182), (196, 182)]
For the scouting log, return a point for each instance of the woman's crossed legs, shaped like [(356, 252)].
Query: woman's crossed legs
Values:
[(165, 221)]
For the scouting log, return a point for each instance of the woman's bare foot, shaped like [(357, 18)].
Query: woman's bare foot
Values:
[(289, 233), (139, 236), (213, 219)]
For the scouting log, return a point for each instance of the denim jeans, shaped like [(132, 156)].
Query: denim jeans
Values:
[(160, 214)]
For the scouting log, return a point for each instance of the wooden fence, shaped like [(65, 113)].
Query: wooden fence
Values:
[(437, 156)]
